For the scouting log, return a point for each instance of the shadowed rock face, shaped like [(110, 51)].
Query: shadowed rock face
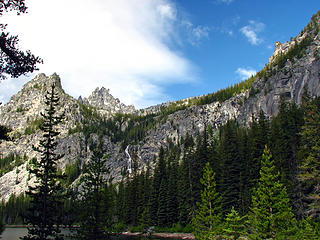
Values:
[(23, 110)]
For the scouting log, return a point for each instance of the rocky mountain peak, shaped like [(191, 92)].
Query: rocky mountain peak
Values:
[(26, 105), (43, 81), (102, 99)]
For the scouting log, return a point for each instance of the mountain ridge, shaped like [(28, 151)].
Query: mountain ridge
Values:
[(142, 132)]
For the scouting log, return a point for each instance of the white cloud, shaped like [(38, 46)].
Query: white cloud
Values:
[(195, 33), (167, 11), (251, 32), (121, 45), (245, 73), (227, 1), (224, 1)]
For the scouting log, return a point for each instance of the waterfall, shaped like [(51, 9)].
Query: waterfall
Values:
[(129, 162), (299, 97)]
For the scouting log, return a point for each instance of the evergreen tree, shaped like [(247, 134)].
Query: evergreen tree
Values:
[(172, 204), (145, 218), (234, 225), (271, 215), (2, 226), (13, 61), (258, 138), (207, 221), (231, 165), (306, 231), (184, 191), (284, 143), (4, 132), (93, 217), (162, 202), (120, 201), (46, 195), (159, 175), (185, 184), (310, 165)]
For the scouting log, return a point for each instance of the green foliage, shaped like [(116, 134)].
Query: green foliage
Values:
[(12, 211), (36, 86), (20, 109), (4, 130), (94, 204), (307, 230), (133, 131), (310, 151), (14, 62), (46, 195), (72, 172), (119, 227), (11, 161), (229, 157), (225, 94), (285, 139), (271, 214), (234, 225), (208, 218), (253, 91), (33, 126), (2, 226)]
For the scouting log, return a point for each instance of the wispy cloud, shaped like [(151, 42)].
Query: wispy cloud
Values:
[(251, 32), (195, 34), (229, 25), (122, 45), (245, 73), (224, 1)]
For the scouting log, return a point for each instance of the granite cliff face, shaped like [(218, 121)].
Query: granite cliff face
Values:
[(291, 81), (284, 75)]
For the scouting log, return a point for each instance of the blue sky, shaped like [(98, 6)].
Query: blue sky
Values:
[(151, 51)]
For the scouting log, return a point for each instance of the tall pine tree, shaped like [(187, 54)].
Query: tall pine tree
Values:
[(234, 225), (271, 214), (207, 221), (310, 165), (46, 193), (93, 217)]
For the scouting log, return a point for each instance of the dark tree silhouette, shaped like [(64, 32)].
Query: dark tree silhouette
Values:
[(4, 133), (13, 61), (93, 219), (46, 195)]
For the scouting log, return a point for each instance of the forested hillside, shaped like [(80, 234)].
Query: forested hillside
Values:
[(169, 197)]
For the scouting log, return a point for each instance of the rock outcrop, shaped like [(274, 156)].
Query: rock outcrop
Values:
[(101, 99)]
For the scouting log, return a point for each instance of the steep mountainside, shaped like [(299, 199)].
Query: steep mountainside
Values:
[(139, 134)]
